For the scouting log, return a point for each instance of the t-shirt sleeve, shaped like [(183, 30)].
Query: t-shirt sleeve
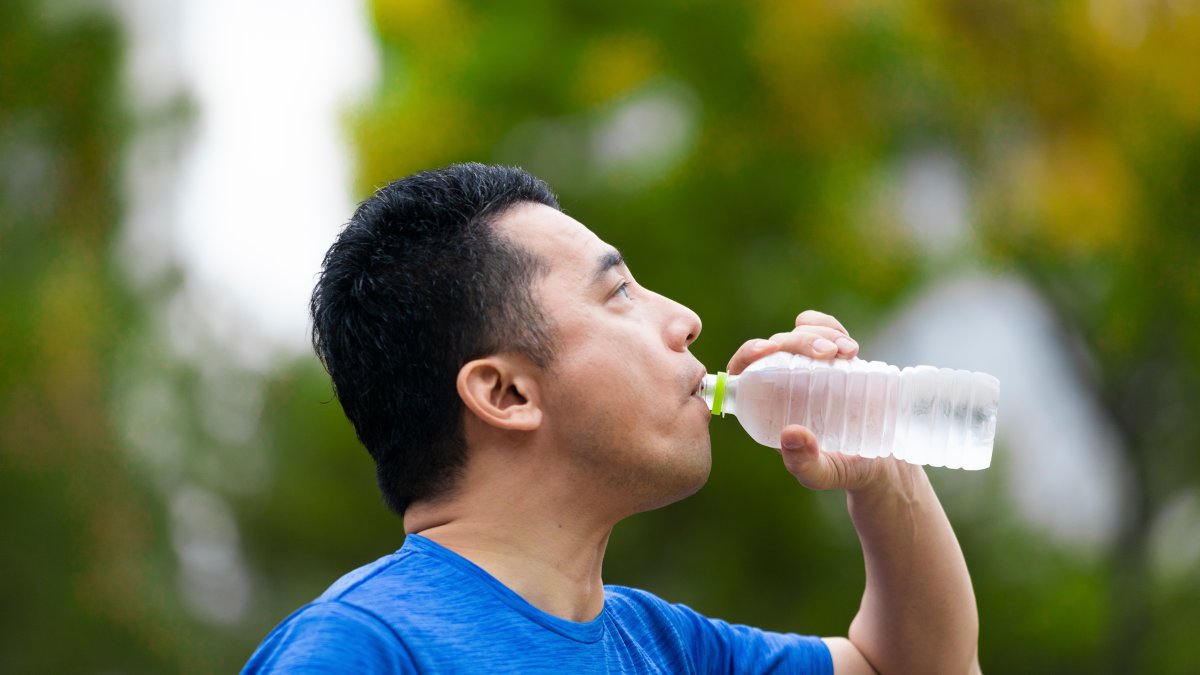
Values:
[(331, 637), (716, 646), (733, 648)]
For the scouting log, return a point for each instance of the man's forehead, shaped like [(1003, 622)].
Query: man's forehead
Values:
[(560, 240)]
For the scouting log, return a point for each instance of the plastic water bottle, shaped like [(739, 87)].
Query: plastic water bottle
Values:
[(923, 415)]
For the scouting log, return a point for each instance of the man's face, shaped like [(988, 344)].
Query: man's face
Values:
[(618, 397)]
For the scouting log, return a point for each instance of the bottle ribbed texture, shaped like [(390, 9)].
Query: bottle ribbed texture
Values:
[(924, 415)]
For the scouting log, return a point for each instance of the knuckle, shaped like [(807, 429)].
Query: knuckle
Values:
[(808, 316)]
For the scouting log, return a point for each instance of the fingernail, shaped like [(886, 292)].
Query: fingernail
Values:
[(823, 345), (846, 344), (793, 444), (759, 345)]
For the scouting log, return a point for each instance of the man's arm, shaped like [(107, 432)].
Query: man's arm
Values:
[(918, 611)]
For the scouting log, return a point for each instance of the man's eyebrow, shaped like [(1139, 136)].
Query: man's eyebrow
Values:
[(609, 260)]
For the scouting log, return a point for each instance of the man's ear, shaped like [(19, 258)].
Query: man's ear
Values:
[(501, 391)]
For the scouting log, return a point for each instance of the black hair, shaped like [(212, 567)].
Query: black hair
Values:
[(416, 285)]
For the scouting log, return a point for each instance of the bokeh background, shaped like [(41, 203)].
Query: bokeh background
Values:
[(1011, 187)]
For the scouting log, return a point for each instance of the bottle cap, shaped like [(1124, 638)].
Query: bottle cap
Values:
[(712, 390)]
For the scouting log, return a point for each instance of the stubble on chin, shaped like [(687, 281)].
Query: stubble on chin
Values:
[(637, 475)]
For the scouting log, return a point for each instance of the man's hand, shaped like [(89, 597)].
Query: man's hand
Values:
[(918, 611), (819, 336)]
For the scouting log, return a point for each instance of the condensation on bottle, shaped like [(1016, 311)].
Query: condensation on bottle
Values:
[(923, 415)]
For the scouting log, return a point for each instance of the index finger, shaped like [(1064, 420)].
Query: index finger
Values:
[(811, 317), (750, 352)]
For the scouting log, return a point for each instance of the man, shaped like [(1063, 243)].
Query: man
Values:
[(521, 393)]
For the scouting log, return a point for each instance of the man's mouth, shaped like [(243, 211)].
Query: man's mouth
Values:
[(699, 380)]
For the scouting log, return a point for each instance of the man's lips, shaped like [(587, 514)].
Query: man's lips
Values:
[(698, 380)]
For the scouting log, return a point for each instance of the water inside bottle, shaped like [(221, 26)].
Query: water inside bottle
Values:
[(938, 417)]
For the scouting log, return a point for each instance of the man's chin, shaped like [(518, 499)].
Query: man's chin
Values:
[(684, 479)]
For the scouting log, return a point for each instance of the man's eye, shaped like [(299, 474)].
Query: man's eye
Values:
[(623, 289)]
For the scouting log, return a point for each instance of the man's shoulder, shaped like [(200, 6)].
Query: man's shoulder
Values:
[(331, 636), (407, 582), (375, 613), (712, 644), (628, 598), (377, 593), (389, 574), (640, 610)]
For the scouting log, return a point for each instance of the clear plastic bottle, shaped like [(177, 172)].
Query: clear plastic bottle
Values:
[(923, 415)]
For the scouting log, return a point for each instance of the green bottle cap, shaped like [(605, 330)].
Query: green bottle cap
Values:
[(719, 393)]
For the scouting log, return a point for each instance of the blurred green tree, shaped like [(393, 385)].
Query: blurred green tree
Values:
[(734, 152), (85, 564)]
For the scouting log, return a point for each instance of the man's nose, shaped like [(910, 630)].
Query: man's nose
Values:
[(684, 326)]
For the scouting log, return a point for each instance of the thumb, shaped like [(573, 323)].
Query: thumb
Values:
[(803, 457)]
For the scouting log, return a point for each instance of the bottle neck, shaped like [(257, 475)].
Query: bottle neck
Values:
[(718, 393)]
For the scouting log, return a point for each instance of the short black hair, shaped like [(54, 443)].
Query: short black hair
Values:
[(417, 284)]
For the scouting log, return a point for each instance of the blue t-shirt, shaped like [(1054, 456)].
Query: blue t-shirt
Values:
[(427, 609)]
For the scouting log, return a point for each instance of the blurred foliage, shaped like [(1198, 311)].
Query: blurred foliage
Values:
[(738, 154), (82, 554)]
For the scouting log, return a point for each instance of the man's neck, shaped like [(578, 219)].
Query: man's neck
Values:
[(553, 564)]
